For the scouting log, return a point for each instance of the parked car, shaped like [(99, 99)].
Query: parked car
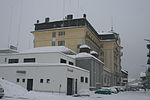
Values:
[(103, 91), (1, 92)]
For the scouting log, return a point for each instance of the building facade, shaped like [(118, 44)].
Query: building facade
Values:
[(110, 44), (72, 33), (44, 69)]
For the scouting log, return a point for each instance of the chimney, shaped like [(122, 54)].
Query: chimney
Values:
[(84, 16), (37, 21), (94, 53), (70, 16), (85, 48), (46, 20)]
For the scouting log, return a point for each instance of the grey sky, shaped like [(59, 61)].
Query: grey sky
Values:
[(130, 20)]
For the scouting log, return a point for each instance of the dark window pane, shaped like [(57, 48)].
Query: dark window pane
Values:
[(41, 80), (86, 80), (13, 61), (17, 79), (23, 80), (54, 34), (63, 61), (71, 63), (82, 79), (61, 43), (29, 60)]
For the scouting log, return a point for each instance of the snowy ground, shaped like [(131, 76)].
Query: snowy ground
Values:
[(15, 92)]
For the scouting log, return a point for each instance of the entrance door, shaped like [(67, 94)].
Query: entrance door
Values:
[(29, 84), (69, 86)]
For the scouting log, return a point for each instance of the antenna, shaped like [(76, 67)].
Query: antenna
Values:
[(19, 23), (112, 27)]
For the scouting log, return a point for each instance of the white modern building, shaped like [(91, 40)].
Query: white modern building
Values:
[(44, 69)]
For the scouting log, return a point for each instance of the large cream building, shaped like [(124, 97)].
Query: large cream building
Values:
[(72, 33), (110, 44)]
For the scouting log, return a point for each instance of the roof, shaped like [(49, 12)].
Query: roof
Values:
[(108, 36), (85, 46), (40, 65), (79, 22), (49, 49), (85, 55), (7, 50)]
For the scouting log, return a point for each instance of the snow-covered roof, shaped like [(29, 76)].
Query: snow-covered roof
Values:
[(105, 33), (7, 50), (124, 71), (84, 46), (93, 52), (40, 65), (142, 74), (83, 55), (49, 49)]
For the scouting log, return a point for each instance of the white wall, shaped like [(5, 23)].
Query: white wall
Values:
[(57, 74), (51, 57)]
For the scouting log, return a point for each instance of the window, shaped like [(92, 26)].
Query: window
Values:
[(71, 63), (53, 43), (13, 61), (23, 80), (61, 33), (86, 80), (29, 60), (5, 59), (82, 79), (54, 34), (48, 81), (63, 61), (41, 80), (61, 43), (17, 79)]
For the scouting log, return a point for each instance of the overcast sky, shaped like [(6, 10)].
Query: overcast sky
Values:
[(130, 18)]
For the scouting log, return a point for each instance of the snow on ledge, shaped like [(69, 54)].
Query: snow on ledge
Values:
[(93, 52), (84, 46), (49, 49)]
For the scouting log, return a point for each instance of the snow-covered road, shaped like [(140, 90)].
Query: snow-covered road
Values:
[(129, 95)]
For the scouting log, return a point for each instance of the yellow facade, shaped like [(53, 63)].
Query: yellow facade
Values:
[(112, 59), (73, 37)]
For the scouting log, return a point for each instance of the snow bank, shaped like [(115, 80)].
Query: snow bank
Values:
[(11, 89)]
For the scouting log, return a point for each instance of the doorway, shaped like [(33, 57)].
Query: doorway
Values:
[(29, 84), (69, 86)]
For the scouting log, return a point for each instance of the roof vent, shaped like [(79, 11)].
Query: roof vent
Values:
[(37, 21), (84, 16), (70, 16), (85, 48), (46, 20)]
